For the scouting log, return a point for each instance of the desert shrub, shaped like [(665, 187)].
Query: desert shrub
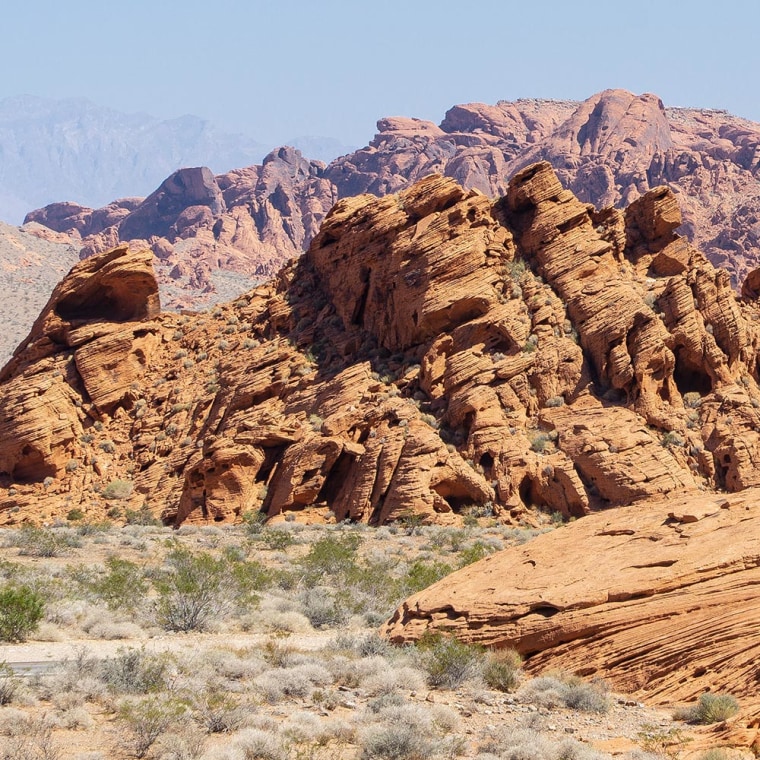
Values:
[(447, 661), (142, 516), (586, 697), (122, 586), (135, 671), (74, 515), (193, 591), (474, 553), (295, 681), (715, 754), (9, 684), (145, 720), (501, 669), (29, 739), (43, 542), (276, 539), (711, 708), (256, 744), (568, 691), (403, 732), (254, 522), (217, 711), (330, 558), (664, 742), (21, 609), (185, 742), (322, 607), (419, 575), (117, 490), (672, 439)]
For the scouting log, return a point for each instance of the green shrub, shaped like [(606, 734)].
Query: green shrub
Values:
[(134, 671), (146, 720), (254, 522), (447, 661), (331, 558), (711, 708), (193, 591), (420, 575), (9, 684), (21, 609), (142, 516), (275, 539), (473, 553), (501, 670), (74, 515), (122, 586)]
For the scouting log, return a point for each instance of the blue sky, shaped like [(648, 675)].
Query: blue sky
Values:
[(276, 70)]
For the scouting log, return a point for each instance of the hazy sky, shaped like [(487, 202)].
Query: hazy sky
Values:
[(276, 70)]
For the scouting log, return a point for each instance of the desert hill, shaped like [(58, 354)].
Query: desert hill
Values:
[(31, 264), (434, 354), (609, 150)]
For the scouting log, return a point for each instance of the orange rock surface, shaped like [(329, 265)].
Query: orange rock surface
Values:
[(658, 598), (434, 353)]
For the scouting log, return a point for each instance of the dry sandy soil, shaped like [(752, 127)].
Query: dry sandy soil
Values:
[(288, 672)]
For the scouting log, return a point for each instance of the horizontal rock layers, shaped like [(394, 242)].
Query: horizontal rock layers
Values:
[(659, 598)]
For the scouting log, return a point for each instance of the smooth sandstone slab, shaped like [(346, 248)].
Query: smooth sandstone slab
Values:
[(660, 598)]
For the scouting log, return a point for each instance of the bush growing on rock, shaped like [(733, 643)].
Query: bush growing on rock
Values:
[(711, 708)]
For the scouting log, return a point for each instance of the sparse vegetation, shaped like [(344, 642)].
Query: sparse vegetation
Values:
[(355, 697), (711, 708)]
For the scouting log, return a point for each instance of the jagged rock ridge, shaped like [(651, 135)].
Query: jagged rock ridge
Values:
[(433, 353), (608, 150)]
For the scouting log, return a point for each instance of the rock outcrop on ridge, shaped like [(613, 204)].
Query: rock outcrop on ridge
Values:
[(609, 150), (434, 353)]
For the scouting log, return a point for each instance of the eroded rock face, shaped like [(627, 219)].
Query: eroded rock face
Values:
[(657, 598), (434, 353), (608, 150)]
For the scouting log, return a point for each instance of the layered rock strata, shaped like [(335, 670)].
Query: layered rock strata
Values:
[(434, 354), (659, 599)]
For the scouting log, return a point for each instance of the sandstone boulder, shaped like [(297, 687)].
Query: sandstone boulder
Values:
[(657, 598)]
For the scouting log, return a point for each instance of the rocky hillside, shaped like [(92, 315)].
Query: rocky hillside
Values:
[(608, 150), (658, 599), (434, 353), (31, 266)]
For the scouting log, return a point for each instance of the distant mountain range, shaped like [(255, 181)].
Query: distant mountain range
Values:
[(74, 150), (609, 150)]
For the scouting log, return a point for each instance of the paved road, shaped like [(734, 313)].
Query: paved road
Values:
[(30, 669)]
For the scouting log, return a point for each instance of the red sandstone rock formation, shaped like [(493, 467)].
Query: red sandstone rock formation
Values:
[(608, 150), (433, 353), (658, 598)]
